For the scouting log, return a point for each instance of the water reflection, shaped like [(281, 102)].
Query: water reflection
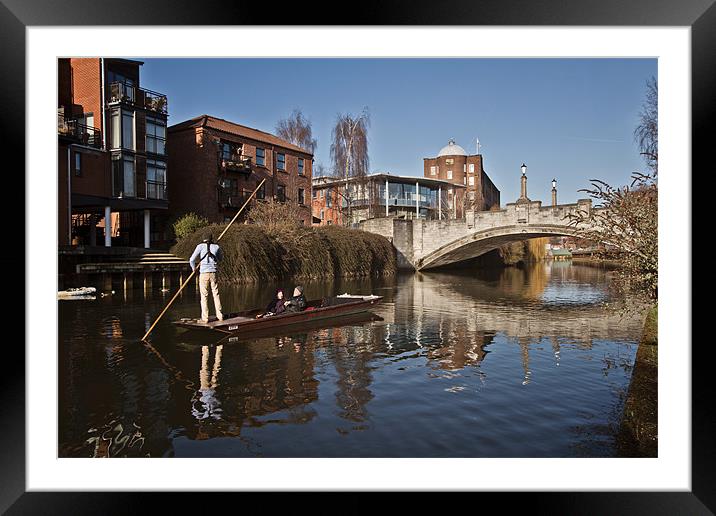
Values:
[(504, 345)]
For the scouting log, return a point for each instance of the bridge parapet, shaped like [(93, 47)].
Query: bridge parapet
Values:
[(426, 243)]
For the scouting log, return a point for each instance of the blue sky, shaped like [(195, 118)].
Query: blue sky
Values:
[(572, 119)]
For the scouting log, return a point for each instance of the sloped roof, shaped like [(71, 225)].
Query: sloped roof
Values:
[(225, 126)]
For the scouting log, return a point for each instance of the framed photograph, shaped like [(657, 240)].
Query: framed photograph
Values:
[(363, 180)]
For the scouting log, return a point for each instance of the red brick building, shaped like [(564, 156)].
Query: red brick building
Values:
[(216, 164), (453, 164), (111, 155)]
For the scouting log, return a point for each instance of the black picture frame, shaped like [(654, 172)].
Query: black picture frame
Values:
[(16, 15)]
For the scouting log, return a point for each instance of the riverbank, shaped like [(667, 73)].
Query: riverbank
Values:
[(252, 254), (590, 261), (639, 429)]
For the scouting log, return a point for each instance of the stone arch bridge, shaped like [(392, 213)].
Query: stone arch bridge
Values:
[(426, 244)]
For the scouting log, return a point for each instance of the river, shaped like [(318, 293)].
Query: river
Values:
[(494, 363)]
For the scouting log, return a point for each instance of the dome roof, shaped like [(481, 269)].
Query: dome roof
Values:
[(452, 149)]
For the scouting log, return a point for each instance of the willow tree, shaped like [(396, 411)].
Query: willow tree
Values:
[(297, 130), (349, 151)]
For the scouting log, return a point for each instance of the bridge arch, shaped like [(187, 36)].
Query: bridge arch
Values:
[(480, 242)]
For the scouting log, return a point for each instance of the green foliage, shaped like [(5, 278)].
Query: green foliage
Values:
[(188, 224), (253, 253)]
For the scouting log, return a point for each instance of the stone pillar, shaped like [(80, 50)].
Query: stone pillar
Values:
[(440, 203), (554, 196), (523, 187), (147, 219), (93, 230), (417, 200), (107, 226)]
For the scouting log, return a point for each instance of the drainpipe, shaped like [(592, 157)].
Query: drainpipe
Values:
[(69, 194), (102, 101)]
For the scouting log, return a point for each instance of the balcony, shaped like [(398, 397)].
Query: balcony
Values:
[(227, 200), (157, 190), (121, 92), (236, 163), (77, 132)]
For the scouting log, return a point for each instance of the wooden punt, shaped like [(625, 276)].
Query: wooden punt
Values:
[(316, 310)]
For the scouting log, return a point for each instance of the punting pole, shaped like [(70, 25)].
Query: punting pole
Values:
[(186, 281)]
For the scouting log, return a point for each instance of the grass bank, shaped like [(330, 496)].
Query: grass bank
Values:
[(639, 430), (253, 254)]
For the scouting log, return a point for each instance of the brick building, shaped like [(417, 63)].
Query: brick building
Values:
[(407, 197), (216, 164), (112, 168), (454, 165)]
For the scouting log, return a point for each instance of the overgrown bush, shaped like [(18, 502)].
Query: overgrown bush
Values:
[(254, 253), (188, 224)]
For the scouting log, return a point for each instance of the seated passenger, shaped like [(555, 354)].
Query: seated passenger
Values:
[(276, 306), (298, 302)]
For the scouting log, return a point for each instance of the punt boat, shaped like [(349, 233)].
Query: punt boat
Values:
[(316, 310)]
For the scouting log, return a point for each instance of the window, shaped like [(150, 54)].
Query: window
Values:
[(472, 168), (300, 166), (281, 193), (320, 194), (156, 179), (328, 222), (313, 194), (464, 180), (123, 175), (464, 168), (472, 196), (230, 151), (78, 164), (261, 194), (433, 170), (472, 180), (116, 130), (156, 135), (322, 215), (449, 174), (300, 196), (449, 161), (328, 198), (260, 156), (128, 130), (281, 161)]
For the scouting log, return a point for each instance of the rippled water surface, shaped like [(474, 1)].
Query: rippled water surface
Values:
[(502, 363)]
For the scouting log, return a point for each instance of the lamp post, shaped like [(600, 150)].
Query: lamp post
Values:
[(554, 192), (523, 186)]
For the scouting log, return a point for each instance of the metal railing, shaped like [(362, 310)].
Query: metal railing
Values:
[(139, 97), (157, 190), (227, 200), (239, 162), (72, 128)]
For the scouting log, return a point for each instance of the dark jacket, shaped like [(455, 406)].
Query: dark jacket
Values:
[(276, 305), (297, 303)]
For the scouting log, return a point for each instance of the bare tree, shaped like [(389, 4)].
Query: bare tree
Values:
[(349, 150), (319, 170), (646, 133), (297, 130), (629, 223)]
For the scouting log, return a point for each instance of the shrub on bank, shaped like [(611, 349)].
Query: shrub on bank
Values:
[(253, 253), (188, 224)]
